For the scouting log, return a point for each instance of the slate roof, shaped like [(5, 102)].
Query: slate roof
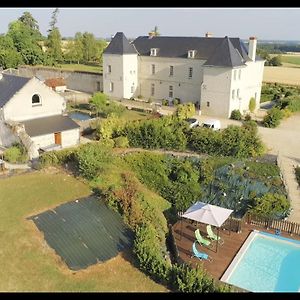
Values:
[(9, 85), (119, 45), (48, 125), (205, 48), (225, 55)]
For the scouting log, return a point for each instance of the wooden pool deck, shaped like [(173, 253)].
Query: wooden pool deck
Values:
[(223, 257)]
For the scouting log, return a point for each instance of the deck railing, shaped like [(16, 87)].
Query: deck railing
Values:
[(282, 225)]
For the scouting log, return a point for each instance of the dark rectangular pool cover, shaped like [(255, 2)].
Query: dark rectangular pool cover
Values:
[(84, 232)]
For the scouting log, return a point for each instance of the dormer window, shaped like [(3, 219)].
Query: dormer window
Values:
[(153, 52), (36, 100), (191, 53)]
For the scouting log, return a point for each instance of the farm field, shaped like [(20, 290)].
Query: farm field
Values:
[(283, 75), (29, 264)]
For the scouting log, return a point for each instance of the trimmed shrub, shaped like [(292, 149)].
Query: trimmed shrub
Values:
[(273, 117), (165, 102), (176, 101), (252, 104), (236, 115), (121, 142)]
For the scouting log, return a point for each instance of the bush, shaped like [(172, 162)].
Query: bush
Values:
[(92, 158), (271, 206), (148, 251), (286, 113), (185, 111), (121, 142), (288, 93), (252, 105), (236, 115), (176, 101), (165, 102), (191, 280), (297, 172), (248, 117), (16, 154), (273, 117)]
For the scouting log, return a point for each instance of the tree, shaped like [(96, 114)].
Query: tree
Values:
[(252, 104), (54, 45), (185, 111), (89, 47), (53, 21), (28, 20), (98, 102), (276, 61), (25, 43)]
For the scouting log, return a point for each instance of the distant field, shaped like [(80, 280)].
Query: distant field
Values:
[(291, 59), (283, 75)]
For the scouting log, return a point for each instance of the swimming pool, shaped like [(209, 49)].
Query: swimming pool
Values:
[(79, 116), (266, 263)]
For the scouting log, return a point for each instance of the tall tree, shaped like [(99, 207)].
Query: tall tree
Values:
[(89, 47), (74, 51), (54, 46), (28, 20), (53, 43), (25, 43), (53, 21)]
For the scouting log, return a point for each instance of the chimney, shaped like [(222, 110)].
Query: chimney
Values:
[(208, 34), (252, 47), (151, 34)]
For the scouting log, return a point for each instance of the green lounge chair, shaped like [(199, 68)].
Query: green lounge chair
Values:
[(200, 239), (211, 235)]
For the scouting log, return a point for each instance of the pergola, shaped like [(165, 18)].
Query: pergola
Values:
[(208, 214)]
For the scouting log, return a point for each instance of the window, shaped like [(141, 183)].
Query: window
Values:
[(153, 69), (109, 69), (240, 74), (234, 75), (238, 93), (171, 91), (36, 100), (98, 86), (190, 72), (207, 103), (111, 87), (152, 89), (153, 52), (191, 53), (233, 94), (255, 96), (132, 88), (171, 70)]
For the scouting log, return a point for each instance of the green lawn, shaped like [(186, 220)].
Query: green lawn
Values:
[(131, 115), (29, 264), (76, 67)]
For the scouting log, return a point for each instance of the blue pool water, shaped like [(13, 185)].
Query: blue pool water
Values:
[(79, 116), (270, 264)]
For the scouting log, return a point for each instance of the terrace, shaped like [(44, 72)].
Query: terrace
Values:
[(184, 236)]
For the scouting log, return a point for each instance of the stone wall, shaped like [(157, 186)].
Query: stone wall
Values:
[(87, 82)]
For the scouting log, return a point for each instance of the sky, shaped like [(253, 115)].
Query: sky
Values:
[(264, 23)]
